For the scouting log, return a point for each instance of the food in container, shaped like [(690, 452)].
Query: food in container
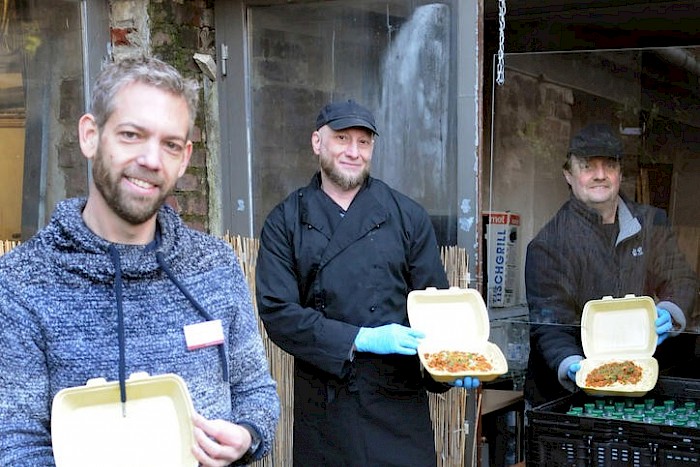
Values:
[(456, 327), (607, 374), (455, 361)]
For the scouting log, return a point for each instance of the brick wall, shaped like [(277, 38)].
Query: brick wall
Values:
[(173, 31)]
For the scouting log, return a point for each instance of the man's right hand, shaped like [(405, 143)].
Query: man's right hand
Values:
[(388, 339)]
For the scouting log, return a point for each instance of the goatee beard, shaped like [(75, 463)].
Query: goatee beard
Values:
[(343, 181), (130, 211)]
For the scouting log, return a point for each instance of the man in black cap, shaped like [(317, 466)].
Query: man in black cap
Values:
[(600, 244), (336, 262)]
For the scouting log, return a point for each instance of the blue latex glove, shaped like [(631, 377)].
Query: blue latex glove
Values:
[(663, 323), (388, 339), (468, 382), (571, 372)]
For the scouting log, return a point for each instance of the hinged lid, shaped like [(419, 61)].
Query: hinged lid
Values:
[(619, 328), (88, 427), (449, 316)]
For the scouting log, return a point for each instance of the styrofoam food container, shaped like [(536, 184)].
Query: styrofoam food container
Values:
[(616, 330), (454, 319), (88, 428)]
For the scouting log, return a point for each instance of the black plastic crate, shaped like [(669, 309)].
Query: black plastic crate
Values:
[(678, 455), (558, 449), (552, 447), (620, 453), (557, 439)]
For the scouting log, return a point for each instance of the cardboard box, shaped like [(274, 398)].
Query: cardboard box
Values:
[(501, 250)]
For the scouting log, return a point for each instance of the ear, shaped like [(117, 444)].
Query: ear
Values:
[(88, 135), (567, 176), (185, 159), (316, 142)]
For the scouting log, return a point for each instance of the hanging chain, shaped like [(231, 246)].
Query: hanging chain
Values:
[(500, 68)]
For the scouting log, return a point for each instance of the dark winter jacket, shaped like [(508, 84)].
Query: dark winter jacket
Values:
[(60, 307), (572, 260), (319, 279)]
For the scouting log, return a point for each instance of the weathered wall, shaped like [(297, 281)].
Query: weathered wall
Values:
[(173, 31), (532, 127), (60, 104)]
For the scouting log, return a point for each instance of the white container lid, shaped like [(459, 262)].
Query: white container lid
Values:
[(451, 316), (88, 427), (619, 328)]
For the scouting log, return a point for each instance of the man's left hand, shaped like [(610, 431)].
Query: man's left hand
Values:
[(218, 443), (663, 323)]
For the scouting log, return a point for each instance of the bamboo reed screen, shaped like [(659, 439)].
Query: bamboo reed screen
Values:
[(448, 410), (7, 245), (281, 363)]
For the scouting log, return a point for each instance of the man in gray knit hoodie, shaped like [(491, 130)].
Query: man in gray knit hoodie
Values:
[(107, 287)]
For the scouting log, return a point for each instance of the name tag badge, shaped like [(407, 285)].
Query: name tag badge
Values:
[(204, 334)]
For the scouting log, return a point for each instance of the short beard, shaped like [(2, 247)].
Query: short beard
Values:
[(109, 189), (345, 182)]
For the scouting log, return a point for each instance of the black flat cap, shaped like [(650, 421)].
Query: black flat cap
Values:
[(597, 139), (342, 115)]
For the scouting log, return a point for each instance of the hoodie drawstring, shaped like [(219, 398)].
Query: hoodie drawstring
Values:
[(120, 325), (202, 311), (114, 253)]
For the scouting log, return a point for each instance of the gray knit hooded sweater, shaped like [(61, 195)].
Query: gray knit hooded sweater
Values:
[(61, 296)]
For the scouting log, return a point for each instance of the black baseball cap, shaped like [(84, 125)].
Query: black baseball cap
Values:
[(597, 139), (342, 115)]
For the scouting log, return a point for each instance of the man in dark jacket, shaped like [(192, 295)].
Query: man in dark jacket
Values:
[(600, 244), (337, 260)]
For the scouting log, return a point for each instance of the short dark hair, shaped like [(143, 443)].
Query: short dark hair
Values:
[(114, 76)]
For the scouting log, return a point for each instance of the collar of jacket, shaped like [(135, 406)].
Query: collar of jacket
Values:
[(366, 213), (629, 224)]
